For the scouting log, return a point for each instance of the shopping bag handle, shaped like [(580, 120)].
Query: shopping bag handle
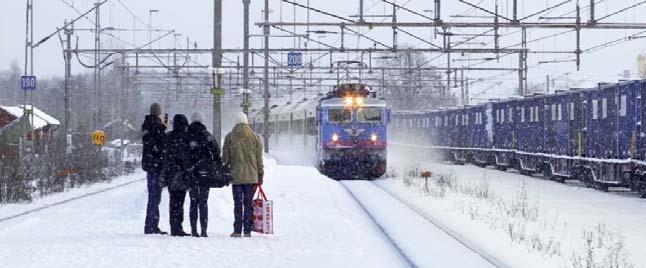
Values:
[(260, 192)]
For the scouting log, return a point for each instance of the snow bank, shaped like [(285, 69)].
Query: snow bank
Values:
[(560, 221), (9, 210)]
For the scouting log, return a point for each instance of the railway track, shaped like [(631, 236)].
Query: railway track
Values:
[(416, 236)]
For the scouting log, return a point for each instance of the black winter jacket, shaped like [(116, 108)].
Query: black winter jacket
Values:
[(204, 161), (153, 139), (175, 174)]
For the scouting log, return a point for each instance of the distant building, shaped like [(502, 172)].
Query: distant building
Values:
[(15, 127), (120, 129)]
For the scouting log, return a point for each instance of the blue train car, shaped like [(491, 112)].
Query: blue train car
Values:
[(592, 135)]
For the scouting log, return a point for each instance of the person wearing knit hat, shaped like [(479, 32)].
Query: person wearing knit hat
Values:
[(197, 117), (153, 133), (155, 109), (205, 164), (241, 118), (242, 154)]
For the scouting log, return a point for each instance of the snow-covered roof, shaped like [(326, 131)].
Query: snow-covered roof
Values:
[(125, 123), (41, 119)]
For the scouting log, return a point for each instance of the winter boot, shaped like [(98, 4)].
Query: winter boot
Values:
[(203, 233), (180, 233), (247, 234), (236, 235)]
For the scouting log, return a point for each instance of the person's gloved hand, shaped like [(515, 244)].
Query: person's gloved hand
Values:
[(261, 175)]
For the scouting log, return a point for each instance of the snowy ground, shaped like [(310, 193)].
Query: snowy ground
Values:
[(12, 210), (317, 224), (563, 213)]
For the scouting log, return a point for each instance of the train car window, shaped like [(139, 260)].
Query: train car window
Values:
[(511, 115), (595, 109), (522, 114), (553, 112), (559, 112), (531, 114), (623, 103), (571, 111), (502, 115), (339, 115), (604, 108)]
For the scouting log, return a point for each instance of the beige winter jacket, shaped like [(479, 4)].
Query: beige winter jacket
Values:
[(242, 151)]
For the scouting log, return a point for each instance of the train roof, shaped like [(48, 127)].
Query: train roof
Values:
[(340, 102), (283, 112)]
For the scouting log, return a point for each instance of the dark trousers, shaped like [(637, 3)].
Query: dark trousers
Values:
[(154, 198), (243, 207), (176, 208), (199, 196)]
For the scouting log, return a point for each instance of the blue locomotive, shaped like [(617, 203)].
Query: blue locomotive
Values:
[(352, 133), (348, 128), (593, 135)]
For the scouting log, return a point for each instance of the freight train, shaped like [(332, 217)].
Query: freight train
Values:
[(593, 135)]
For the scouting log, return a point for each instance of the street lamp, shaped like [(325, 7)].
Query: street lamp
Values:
[(150, 26)]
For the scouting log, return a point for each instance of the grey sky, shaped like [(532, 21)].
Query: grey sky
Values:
[(193, 18)]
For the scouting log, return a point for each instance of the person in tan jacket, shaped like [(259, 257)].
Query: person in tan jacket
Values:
[(242, 154)]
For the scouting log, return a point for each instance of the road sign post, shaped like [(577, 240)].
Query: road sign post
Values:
[(98, 137), (28, 82), (295, 59)]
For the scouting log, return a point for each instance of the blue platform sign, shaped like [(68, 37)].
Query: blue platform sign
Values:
[(294, 59), (28, 82)]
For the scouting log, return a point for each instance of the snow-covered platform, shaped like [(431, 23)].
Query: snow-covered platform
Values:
[(317, 223)]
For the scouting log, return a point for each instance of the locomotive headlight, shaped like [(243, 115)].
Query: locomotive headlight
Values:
[(374, 137), (348, 101), (359, 101), (335, 137)]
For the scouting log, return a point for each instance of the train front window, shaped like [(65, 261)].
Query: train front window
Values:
[(369, 115), (339, 115)]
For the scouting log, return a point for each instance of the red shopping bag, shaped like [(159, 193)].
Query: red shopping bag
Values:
[(263, 213)]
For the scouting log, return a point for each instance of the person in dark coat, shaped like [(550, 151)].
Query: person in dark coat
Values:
[(204, 164), (152, 162), (174, 174)]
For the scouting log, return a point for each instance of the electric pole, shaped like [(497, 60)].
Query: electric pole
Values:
[(68, 76), (97, 68), (245, 60), (217, 62), (265, 129)]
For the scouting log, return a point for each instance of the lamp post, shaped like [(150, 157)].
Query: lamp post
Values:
[(150, 26)]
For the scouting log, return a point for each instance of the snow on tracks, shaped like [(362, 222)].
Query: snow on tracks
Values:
[(413, 234)]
